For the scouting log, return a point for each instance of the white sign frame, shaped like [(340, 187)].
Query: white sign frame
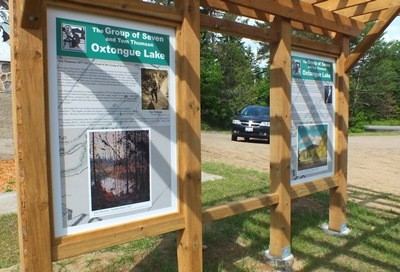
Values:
[(313, 116), (161, 125)]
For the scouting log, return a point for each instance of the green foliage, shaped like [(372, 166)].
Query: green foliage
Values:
[(390, 122), (358, 122), (230, 78), (375, 84)]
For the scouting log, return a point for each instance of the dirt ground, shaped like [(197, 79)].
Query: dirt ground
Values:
[(373, 161)]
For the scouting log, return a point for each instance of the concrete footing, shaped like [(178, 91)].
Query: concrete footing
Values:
[(344, 231), (280, 264)]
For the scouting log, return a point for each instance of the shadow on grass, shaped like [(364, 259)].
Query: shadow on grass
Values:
[(237, 243)]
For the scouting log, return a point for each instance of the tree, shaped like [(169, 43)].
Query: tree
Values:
[(375, 84), (227, 76)]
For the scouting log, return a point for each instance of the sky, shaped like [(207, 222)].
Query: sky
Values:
[(393, 30)]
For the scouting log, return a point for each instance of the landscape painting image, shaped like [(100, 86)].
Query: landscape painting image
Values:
[(312, 146), (119, 168)]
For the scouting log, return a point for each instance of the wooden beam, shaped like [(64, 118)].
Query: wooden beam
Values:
[(190, 249), (334, 5), (133, 7), (302, 44), (29, 119), (305, 13), (263, 201), (308, 188), (155, 18), (264, 35), (236, 9), (369, 7), (238, 207), (338, 195), (258, 15), (31, 16), (237, 29), (311, 29), (375, 32), (73, 245), (280, 137), (369, 17), (312, 1)]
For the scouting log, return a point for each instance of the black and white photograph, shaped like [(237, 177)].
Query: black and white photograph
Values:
[(296, 67), (155, 91), (328, 94), (73, 38)]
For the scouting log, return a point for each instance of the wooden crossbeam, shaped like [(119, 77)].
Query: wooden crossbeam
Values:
[(259, 15), (237, 29), (369, 17), (305, 13), (238, 207), (369, 7), (339, 4), (134, 7)]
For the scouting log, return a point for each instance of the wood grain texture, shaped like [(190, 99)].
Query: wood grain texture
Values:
[(190, 252), (73, 245), (338, 195), (135, 7), (238, 207), (29, 117), (280, 136)]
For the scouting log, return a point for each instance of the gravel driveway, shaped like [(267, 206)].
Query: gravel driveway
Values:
[(373, 161)]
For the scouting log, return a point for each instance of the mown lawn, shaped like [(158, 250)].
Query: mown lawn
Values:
[(237, 243)]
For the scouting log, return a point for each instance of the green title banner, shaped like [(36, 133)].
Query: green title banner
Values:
[(306, 68), (88, 40)]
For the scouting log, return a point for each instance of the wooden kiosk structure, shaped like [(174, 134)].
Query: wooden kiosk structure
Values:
[(337, 20)]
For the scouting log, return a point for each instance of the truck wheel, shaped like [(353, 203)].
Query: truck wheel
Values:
[(234, 138)]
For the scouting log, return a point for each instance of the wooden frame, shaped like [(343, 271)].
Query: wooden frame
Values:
[(31, 128)]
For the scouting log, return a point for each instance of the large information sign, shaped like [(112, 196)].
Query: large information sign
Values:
[(112, 121), (313, 117)]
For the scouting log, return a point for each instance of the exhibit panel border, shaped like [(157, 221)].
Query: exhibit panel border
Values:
[(313, 117), (112, 116)]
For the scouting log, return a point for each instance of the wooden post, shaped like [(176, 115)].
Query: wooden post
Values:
[(338, 195), (29, 116), (189, 164), (280, 138)]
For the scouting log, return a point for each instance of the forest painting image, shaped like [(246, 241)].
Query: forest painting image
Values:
[(119, 168), (312, 146)]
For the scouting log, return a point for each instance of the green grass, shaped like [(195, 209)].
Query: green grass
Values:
[(8, 240), (237, 243), (374, 133), (391, 122)]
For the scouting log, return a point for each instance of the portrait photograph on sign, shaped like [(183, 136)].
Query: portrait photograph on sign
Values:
[(154, 89), (73, 37)]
